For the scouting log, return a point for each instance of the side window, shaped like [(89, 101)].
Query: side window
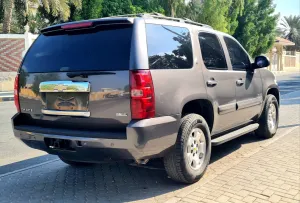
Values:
[(169, 47), (212, 51), (239, 58)]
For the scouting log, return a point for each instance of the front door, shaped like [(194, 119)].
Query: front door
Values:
[(219, 81), (248, 83)]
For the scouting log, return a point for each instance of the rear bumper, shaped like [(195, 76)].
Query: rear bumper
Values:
[(142, 139)]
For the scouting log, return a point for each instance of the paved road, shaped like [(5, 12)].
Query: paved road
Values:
[(289, 83), (51, 180)]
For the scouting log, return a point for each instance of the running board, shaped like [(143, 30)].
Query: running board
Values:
[(230, 136)]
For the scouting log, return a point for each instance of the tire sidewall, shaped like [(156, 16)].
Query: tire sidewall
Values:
[(190, 174), (271, 99)]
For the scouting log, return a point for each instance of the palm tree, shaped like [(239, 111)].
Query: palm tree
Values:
[(57, 9), (291, 29), (7, 14)]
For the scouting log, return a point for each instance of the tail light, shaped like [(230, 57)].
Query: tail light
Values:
[(16, 93), (142, 94)]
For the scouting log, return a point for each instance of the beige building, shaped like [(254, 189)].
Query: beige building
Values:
[(282, 60)]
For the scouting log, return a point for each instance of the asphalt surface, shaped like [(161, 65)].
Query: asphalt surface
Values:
[(31, 175), (289, 83)]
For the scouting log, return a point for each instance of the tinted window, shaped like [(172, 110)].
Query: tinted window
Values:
[(212, 52), (87, 50), (169, 47), (239, 58)]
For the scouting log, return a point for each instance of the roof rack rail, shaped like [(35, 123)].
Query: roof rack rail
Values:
[(126, 15), (189, 21), (163, 17)]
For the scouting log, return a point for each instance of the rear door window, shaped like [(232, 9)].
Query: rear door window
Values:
[(212, 51), (89, 50), (169, 47)]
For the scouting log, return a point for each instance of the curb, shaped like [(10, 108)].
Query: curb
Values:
[(283, 73), (8, 98)]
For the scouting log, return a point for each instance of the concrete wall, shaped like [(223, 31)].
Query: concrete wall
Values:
[(12, 49)]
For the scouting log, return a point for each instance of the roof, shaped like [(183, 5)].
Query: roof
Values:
[(284, 42), (127, 19), (162, 17)]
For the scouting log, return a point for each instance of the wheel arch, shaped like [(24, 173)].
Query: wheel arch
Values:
[(274, 91), (203, 107)]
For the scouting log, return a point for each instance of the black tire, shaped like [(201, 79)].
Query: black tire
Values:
[(74, 163), (176, 162), (264, 130)]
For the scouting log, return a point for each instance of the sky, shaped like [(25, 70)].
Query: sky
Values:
[(287, 7)]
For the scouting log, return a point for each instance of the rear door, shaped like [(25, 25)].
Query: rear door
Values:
[(78, 79), (248, 83), (219, 81)]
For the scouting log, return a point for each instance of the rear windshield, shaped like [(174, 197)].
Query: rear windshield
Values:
[(90, 50)]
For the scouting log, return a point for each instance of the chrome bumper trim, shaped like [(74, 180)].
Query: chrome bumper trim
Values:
[(66, 113)]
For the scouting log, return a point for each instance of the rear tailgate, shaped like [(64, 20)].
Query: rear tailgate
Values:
[(78, 79)]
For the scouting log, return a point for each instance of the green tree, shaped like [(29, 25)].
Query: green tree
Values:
[(246, 31), (191, 11), (142, 4), (256, 27), (149, 6), (236, 9), (173, 4), (291, 29), (1, 11), (220, 14), (155, 6), (91, 9), (37, 22), (214, 13), (116, 7), (170, 6), (182, 10)]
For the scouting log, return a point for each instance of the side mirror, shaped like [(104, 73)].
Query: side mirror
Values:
[(261, 62)]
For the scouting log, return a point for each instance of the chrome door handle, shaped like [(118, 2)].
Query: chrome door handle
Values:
[(239, 82), (211, 83)]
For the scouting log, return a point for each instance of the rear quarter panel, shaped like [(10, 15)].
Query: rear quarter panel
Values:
[(174, 88)]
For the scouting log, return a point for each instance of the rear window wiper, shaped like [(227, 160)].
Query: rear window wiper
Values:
[(85, 74)]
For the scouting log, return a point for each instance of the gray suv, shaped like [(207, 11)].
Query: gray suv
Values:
[(138, 88)]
